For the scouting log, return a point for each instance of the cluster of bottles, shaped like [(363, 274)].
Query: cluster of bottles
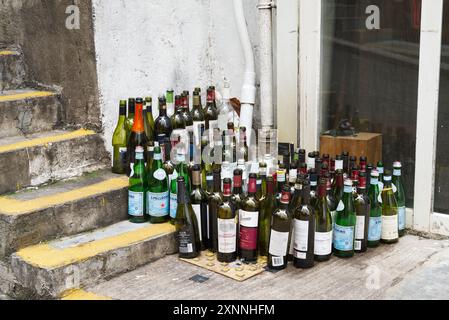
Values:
[(303, 212)]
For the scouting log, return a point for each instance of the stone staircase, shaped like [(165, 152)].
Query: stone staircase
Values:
[(62, 213)]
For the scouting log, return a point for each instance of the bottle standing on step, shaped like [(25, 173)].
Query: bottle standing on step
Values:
[(199, 201), (345, 221), (137, 138), (304, 230), (375, 220), (179, 171), (163, 125), (267, 208), (138, 189), (362, 208), (131, 113), (323, 225), (215, 201), (227, 226), (158, 194), (399, 193), (280, 232), (119, 142), (186, 224), (390, 229), (149, 128)]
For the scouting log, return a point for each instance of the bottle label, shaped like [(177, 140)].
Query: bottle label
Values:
[(227, 235), (360, 228), (343, 238), (358, 245), (122, 156), (173, 205), (301, 235), (139, 156), (390, 227), (375, 228), (338, 164), (197, 210), (402, 218), (397, 172), (248, 238), (185, 241), (160, 174), (395, 189), (323, 243), (158, 204), (249, 219), (311, 163), (278, 243), (135, 204), (341, 206)]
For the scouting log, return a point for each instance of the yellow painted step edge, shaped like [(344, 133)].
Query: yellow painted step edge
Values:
[(46, 140), (26, 95), (47, 257), (14, 207), (8, 53), (82, 295)]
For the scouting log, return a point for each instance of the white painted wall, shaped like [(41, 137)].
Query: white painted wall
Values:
[(147, 46)]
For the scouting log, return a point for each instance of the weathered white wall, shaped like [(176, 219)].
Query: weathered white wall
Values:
[(147, 46)]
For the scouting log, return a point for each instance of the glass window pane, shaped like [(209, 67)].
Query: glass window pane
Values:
[(442, 164), (372, 74)]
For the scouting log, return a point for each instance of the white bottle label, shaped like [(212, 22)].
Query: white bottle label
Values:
[(390, 227), (360, 228), (278, 243), (197, 210), (323, 243), (338, 164), (277, 261), (301, 235), (227, 235), (160, 174), (357, 245), (310, 163), (135, 204), (249, 219)]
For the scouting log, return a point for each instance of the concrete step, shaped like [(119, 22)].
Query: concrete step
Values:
[(28, 111), (12, 69), (49, 156), (62, 209), (53, 269)]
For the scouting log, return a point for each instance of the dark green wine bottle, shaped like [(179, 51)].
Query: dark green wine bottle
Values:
[(163, 125), (199, 201), (177, 119), (210, 111), (227, 226), (390, 220), (215, 201), (399, 193), (323, 225), (179, 171), (119, 142), (267, 207), (362, 208), (158, 194), (138, 189), (131, 113), (280, 233), (186, 225), (345, 221), (375, 220)]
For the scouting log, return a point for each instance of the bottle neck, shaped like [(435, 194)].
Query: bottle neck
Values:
[(163, 111), (322, 191), (227, 190), (252, 186), (305, 195), (196, 179), (182, 193), (138, 126), (217, 183), (237, 184)]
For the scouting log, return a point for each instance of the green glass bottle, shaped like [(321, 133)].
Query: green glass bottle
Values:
[(375, 220), (280, 233), (267, 207), (381, 169), (138, 189), (177, 119), (313, 178), (170, 96), (180, 171), (149, 120), (345, 221), (185, 112), (237, 199), (119, 142), (200, 203), (197, 117), (390, 220), (399, 193), (215, 201), (242, 150), (131, 112), (323, 225), (158, 195), (227, 226), (163, 125), (304, 231), (210, 111), (249, 223), (362, 208), (336, 194), (186, 224)]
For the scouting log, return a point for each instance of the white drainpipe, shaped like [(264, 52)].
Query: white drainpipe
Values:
[(248, 97), (266, 63)]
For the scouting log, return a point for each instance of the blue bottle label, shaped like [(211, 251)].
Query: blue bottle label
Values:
[(158, 204), (375, 228), (135, 204), (343, 238), (173, 204), (401, 218)]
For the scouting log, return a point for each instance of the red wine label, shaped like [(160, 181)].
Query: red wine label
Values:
[(362, 182), (248, 238), (285, 198), (252, 186), (226, 189), (237, 181)]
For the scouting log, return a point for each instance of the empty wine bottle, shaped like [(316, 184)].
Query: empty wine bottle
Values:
[(210, 111), (390, 220), (215, 201), (362, 208), (180, 171), (200, 202), (304, 231), (186, 225), (170, 96), (119, 142), (375, 220), (280, 233), (313, 178), (323, 226), (381, 169), (227, 226), (399, 192), (138, 189), (267, 207), (345, 222), (131, 113), (163, 125), (345, 158)]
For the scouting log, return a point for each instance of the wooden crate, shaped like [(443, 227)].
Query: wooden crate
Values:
[(364, 144)]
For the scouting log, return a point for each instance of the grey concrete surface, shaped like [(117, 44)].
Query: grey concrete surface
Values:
[(12, 70), (413, 268), (85, 214), (28, 116), (44, 163)]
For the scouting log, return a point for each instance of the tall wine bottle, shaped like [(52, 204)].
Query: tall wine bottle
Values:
[(119, 142), (163, 125), (197, 117), (399, 193), (138, 136), (335, 197), (227, 226), (158, 193), (200, 202), (242, 150), (215, 201), (280, 233), (345, 222), (249, 222), (362, 209), (267, 207), (180, 171), (323, 225), (138, 189), (185, 112), (304, 231), (169, 97), (149, 128), (210, 111), (186, 225), (131, 114), (375, 220), (390, 220)]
